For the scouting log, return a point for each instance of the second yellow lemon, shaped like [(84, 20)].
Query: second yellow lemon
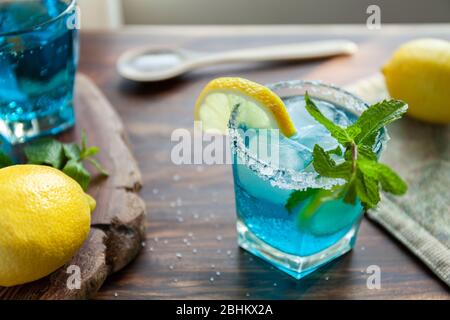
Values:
[(419, 74)]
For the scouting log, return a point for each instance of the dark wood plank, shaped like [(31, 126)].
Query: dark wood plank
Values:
[(117, 225), (205, 197)]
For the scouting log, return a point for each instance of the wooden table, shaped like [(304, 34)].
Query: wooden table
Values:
[(199, 199)]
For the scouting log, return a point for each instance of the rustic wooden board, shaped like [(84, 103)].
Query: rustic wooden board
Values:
[(117, 229)]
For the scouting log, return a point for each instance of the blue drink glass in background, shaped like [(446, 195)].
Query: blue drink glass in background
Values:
[(294, 243), (38, 59)]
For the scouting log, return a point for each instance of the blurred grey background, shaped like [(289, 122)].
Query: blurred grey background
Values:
[(116, 13)]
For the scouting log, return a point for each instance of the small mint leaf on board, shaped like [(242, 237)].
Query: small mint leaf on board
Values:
[(336, 131), (72, 151), (377, 116), (67, 157), (389, 180), (5, 160), (98, 166), (45, 151), (83, 141), (90, 152), (76, 171)]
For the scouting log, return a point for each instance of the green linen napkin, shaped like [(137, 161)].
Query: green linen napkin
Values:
[(420, 153)]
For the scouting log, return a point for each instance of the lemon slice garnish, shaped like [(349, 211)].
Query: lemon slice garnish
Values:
[(259, 107)]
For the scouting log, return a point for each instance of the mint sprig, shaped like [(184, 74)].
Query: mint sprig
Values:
[(365, 177), (67, 157)]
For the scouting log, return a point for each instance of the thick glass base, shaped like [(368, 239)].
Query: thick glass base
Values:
[(15, 132), (296, 266)]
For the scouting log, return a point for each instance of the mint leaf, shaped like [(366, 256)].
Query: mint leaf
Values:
[(5, 160), (298, 196), (367, 190), (45, 151), (67, 157), (337, 151), (72, 151), (349, 192), (76, 171), (83, 141), (376, 117), (353, 131), (316, 200), (98, 166), (390, 181), (366, 152), (325, 166), (337, 132), (89, 152)]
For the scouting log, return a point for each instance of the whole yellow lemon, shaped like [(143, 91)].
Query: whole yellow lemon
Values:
[(44, 219), (419, 74)]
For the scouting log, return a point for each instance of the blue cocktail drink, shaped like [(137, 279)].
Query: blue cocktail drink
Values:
[(38, 58), (294, 240)]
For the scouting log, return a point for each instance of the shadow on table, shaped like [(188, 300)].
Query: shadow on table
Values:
[(264, 281), (208, 73)]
